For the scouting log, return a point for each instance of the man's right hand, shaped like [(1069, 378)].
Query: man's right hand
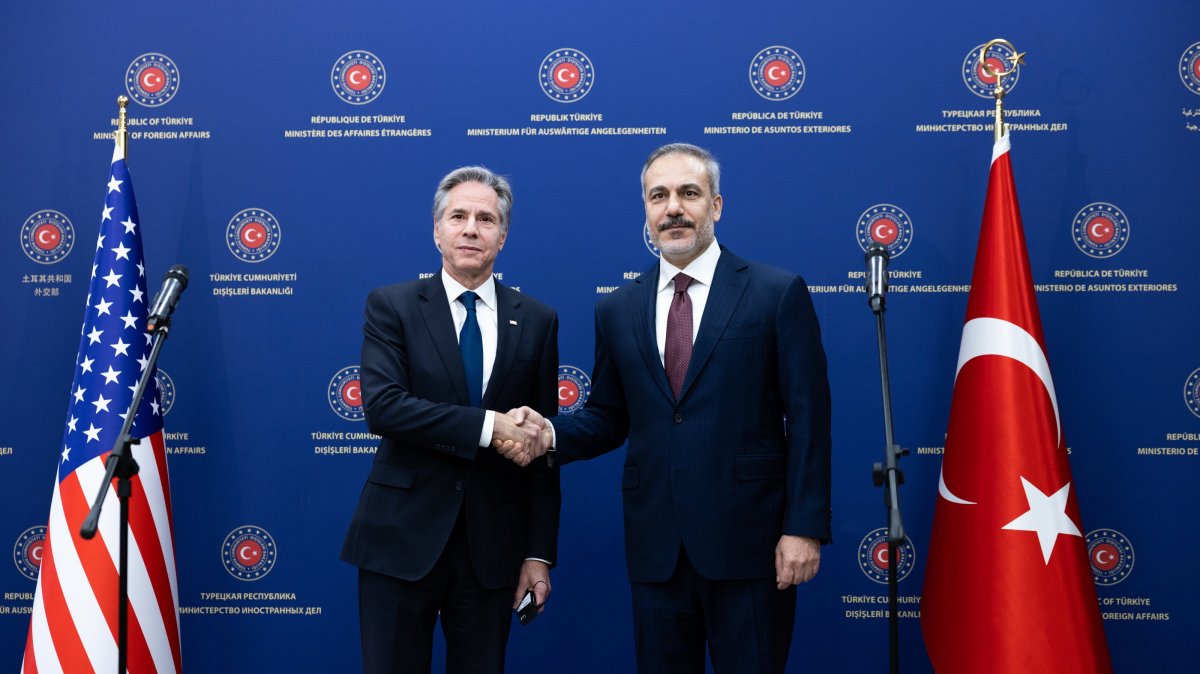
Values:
[(514, 440), (532, 439)]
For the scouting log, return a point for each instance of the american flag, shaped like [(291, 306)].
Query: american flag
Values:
[(74, 623)]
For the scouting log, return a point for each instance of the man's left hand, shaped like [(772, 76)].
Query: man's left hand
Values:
[(535, 576), (797, 559)]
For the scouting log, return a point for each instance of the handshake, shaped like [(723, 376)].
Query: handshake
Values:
[(522, 435)]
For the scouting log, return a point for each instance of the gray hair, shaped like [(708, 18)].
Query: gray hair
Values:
[(474, 174), (711, 167)]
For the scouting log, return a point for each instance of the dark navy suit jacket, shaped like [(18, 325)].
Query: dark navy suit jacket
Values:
[(429, 464), (743, 456)]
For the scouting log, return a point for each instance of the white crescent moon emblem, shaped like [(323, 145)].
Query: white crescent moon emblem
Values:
[(563, 75), (352, 394), (563, 392), (252, 235), (994, 337), (878, 236), (36, 553), (148, 79), (44, 237), (355, 76), (1097, 229), (242, 554), (772, 73), (881, 555), (1103, 557)]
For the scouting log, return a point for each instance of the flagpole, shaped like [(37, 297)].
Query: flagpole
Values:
[(121, 464), (122, 131), (999, 127), (992, 602)]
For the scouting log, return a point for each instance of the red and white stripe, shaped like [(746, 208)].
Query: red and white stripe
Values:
[(74, 623)]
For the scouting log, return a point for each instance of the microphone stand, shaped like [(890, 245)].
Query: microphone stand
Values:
[(888, 475), (120, 463)]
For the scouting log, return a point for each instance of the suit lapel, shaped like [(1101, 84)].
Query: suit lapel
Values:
[(435, 309), (509, 325), (729, 283), (644, 330)]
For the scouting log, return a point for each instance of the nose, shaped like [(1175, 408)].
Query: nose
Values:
[(674, 206), (472, 227)]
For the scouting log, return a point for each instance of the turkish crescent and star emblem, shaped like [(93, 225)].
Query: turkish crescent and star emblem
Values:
[(29, 550), (995, 350), (777, 73), (47, 236), (566, 75), (345, 393), (253, 234), (1189, 68), (1005, 408), (574, 387), (1000, 60), (358, 77), (885, 224), (249, 552), (152, 79), (1007, 548), (1100, 230)]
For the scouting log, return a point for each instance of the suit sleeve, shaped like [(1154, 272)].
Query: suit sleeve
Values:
[(804, 384), (545, 498), (391, 408), (602, 425)]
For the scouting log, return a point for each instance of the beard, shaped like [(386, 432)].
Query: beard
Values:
[(668, 246)]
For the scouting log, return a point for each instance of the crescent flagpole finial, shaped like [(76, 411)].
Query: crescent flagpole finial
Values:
[(1017, 59)]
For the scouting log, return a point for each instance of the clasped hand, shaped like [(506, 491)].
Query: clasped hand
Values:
[(521, 435)]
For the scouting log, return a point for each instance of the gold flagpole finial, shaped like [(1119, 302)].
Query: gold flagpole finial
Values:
[(122, 132), (1017, 59)]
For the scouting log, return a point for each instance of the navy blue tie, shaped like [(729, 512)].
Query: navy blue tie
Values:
[(470, 343)]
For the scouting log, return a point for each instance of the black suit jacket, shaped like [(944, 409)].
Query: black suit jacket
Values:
[(429, 464), (743, 456)]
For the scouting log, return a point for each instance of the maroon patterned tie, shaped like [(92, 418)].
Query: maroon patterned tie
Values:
[(678, 349)]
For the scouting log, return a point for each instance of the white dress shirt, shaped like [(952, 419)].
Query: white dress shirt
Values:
[(485, 312), (701, 269)]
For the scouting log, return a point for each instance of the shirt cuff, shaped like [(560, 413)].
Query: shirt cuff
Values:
[(489, 423), (553, 436), (537, 559)]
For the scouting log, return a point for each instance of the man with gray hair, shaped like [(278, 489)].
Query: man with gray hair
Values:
[(712, 367), (446, 527)]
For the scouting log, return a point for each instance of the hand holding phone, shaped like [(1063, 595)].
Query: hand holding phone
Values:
[(527, 610)]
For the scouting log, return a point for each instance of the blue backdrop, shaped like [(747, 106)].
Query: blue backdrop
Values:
[(323, 128)]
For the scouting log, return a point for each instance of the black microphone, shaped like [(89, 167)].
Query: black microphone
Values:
[(174, 283), (876, 284)]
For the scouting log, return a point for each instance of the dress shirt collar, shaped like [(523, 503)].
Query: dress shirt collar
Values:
[(486, 292), (701, 269)]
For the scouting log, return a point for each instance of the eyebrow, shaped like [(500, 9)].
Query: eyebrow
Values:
[(695, 186), (466, 211)]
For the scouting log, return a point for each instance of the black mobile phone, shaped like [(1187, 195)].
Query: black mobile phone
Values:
[(528, 609)]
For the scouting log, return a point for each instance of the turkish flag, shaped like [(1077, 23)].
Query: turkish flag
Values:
[(1008, 586)]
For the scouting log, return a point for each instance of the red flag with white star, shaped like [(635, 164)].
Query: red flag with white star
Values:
[(1008, 586)]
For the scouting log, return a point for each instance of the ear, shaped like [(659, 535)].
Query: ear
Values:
[(437, 236), (717, 203), (503, 238)]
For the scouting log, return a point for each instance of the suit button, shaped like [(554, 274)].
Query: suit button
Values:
[(679, 418), (458, 486)]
